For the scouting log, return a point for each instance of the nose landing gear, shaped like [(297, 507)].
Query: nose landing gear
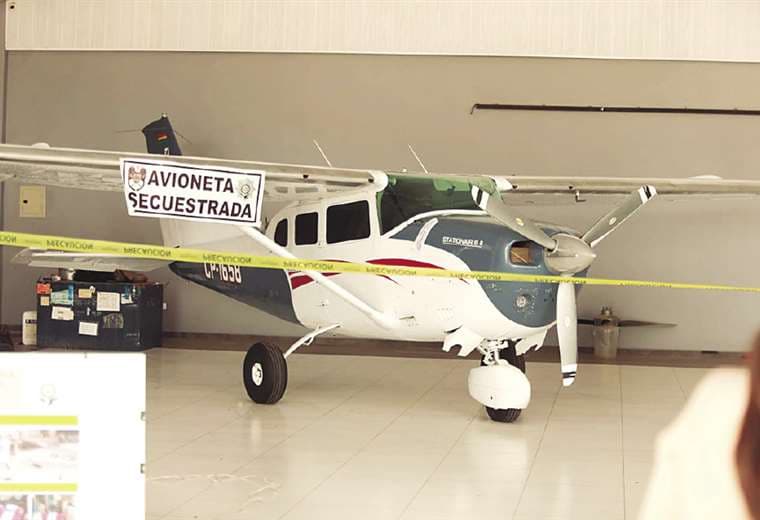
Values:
[(499, 384), (507, 415)]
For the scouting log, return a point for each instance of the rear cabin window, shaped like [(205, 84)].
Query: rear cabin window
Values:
[(348, 222), (306, 228), (281, 233)]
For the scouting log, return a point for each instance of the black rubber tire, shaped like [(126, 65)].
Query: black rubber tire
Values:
[(507, 415), (274, 371)]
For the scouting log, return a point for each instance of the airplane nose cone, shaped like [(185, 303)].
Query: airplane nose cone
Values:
[(571, 255), (586, 255)]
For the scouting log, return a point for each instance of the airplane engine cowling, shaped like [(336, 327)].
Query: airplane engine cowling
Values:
[(499, 386)]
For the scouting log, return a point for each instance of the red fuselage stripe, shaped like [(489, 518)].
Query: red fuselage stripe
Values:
[(403, 262), (303, 279)]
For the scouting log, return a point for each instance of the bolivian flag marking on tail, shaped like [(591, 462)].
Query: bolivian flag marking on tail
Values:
[(166, 189)]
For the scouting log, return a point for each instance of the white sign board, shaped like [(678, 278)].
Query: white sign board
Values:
[(203, 193), (72, 435)]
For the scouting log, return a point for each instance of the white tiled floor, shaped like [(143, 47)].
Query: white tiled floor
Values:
[(368, 437)]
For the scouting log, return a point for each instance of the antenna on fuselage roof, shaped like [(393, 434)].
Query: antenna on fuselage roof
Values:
[(322, 152), (419, 161)]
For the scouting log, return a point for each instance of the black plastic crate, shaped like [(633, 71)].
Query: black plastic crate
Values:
[(85, 315)]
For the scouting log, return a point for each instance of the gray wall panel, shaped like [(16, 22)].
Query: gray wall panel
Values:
[(365, 109)]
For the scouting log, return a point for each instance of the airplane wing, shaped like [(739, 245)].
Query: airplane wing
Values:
[(96, 170), (704, 185), (519, 190), (101, 171), (84, 261)]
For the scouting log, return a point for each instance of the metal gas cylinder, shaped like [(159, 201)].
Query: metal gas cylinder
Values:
[(605, 334)]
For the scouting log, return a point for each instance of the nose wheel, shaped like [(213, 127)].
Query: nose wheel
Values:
[(507, 415), (265, 373)]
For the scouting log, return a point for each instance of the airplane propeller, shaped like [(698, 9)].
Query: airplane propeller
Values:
[(567, 332), (565, 255), (494, 206)]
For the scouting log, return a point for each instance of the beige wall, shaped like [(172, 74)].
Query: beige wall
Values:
[(721, 31), (365, 109)]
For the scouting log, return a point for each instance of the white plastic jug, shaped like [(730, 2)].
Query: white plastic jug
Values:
[(29, 328)]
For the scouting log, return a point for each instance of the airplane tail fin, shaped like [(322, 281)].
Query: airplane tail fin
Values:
[(160, 137)]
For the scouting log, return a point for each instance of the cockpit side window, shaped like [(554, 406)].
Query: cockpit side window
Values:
[(348, 222), (307, 225), (281, 232), (408, 196)]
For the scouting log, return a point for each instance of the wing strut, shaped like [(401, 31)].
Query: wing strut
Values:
[(380, 318), (307, 339)]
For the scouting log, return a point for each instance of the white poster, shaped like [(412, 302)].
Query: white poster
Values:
[(87, 328), (72, 435), (208, 193), (108, 302), (62, 313)]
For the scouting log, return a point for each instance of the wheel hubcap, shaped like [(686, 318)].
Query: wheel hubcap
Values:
[(257, 374)]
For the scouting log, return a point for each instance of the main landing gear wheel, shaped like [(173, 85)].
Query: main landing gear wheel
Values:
[(507, 415), (265, 373)]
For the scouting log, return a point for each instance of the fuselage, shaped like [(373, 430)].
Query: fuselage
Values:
[(377, 228)]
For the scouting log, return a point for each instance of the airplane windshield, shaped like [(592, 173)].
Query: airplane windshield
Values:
[(408, 196)]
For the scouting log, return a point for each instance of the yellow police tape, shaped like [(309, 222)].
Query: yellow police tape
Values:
[(169, 254)]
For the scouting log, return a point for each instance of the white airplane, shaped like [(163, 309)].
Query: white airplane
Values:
[(452, 222)]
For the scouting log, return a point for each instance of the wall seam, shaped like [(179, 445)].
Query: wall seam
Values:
[(3, 122)]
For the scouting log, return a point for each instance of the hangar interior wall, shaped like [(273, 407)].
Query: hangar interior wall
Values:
[(364, 110), (654, 29)]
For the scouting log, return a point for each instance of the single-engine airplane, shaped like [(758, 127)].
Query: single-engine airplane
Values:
[(453, 222)]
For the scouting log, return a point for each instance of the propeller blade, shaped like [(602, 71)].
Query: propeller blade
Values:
[(567, 332), (607, 224), (639, 323), (494, 206)]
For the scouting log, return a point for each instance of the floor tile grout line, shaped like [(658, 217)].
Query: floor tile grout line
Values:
[(440, 463), (678, 381), (535, 454), (622, 438), (328, 408), (316, 421), (391, 423), (147, 463), (210, 484)]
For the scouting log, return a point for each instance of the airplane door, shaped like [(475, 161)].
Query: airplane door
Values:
[(308, 297), (350, 235), (340, 230)]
